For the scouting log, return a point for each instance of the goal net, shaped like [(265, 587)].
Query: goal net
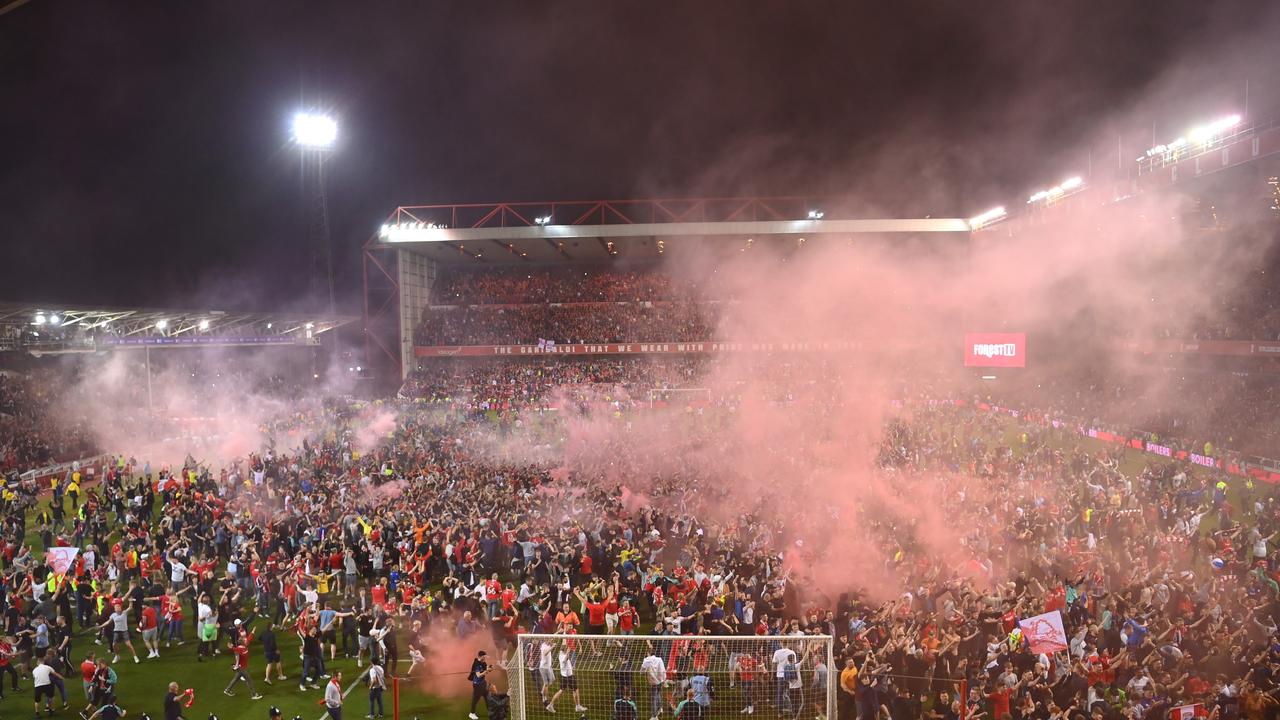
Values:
[(639, 677)]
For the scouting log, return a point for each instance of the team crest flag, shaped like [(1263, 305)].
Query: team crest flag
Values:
[(60, 558), (1044, 633)]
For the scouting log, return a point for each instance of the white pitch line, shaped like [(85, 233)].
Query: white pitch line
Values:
[(353, 685)]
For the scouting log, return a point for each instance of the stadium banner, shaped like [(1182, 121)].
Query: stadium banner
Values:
[(1044, 633), (1257, 468), (550, 347), (995, 350)]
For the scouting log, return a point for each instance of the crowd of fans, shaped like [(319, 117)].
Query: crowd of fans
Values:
[(31, 435), (535, 383), (1190, 408), (558, 285), (1164, 575), (565, 324)]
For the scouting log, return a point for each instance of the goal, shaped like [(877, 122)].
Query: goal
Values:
[(636, 677)]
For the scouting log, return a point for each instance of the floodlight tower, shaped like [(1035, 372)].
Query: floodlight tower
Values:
[(315, 134)]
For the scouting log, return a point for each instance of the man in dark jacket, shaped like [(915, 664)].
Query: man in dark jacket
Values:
[(479, 683)]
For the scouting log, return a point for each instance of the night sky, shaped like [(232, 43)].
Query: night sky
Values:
[(144, 154)]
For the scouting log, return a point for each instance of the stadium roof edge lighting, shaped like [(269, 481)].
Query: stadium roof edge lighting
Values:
[(1071, 184), (980, 220), (423, 232), (91, 324), (1198, 135)]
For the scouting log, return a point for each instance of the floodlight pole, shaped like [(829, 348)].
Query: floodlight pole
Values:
[(316, 197)]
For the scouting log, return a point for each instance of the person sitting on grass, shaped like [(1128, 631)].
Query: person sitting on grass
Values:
[(108, 711), (496, 703)]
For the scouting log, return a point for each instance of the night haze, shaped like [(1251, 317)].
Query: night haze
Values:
[(146, 154), (796, 360)]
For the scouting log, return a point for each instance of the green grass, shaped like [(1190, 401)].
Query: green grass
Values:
[(142, 687)]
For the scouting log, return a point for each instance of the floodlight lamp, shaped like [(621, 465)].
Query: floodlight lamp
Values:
[(1071, 183), (815, 214), (41, 319), (307, 326), (542, 219), (204, 324), (162, 324), (54, 319), (317, 132), (986, 218), (268, 326)]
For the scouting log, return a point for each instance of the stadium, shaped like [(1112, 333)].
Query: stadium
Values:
[(854, 454)]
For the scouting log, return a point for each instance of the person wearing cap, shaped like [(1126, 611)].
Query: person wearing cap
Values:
[(241, 667)]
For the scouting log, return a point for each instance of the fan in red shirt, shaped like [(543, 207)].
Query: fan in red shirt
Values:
[(628, 618), (1000, 702), (379, 593), (240, 670), (149, 626)]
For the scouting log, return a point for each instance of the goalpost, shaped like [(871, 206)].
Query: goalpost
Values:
[(639, 677)]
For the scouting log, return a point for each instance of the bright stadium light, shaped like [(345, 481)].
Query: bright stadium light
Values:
[(314, 131), (54, 319), (986, 218), (1202, 135), (162, 324), (1057, 191), (41, 319), (542, 219), (307, 326), (816, 214), (1205, 133), (204, 324)]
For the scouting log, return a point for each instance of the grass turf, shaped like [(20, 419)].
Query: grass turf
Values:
[(142, 687)]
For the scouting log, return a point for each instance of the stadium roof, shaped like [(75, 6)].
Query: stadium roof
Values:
[(54, 326), (601, 230)]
